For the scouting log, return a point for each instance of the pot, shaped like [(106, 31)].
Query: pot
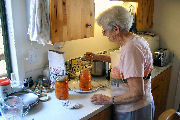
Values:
[(98, 68)]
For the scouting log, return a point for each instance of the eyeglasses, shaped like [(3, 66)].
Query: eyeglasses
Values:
[(104, 32)]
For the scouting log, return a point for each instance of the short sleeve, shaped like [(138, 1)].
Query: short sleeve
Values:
[(132, 62)]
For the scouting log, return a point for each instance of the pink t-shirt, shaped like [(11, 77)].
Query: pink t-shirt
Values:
[(135, 61)]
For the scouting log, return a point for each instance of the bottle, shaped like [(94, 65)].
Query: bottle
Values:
[(85, 80), (61, 87), (5, 87)]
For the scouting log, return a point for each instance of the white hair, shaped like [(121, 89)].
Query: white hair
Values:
[(116, 15)]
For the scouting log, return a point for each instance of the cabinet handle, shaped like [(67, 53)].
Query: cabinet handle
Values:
[(89, 25)]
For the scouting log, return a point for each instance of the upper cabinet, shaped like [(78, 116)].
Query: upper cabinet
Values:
[(144, 13), (71, 19)]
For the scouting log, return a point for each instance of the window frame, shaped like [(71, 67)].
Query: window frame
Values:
[(4, 27)]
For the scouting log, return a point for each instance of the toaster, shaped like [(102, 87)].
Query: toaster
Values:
[(161, 57)]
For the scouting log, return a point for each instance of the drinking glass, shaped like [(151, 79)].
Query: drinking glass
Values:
[(12, 108)]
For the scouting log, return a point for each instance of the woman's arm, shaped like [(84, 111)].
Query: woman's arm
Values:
[(136, 91), (91, 57)]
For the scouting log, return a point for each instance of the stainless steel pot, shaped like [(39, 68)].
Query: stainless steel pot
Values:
[(98, 68)]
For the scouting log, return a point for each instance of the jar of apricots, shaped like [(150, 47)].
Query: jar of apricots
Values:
[(85, 80), (61, 87)]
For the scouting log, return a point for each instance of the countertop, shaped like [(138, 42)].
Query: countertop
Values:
[(53, 109), (157, 70)]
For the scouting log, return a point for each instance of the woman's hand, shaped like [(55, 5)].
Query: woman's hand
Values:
[(100, 99), (90, 56)]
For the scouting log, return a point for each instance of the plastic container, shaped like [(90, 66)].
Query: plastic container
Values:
[(85, 80), (115, 58), (115, 63), (5, 87), (61, 87)]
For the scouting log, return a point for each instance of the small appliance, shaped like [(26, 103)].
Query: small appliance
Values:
[(161, 57)]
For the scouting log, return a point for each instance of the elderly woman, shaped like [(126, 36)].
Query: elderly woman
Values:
[(130, 80)]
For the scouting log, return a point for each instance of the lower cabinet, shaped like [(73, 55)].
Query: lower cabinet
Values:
[(160, 85), (106, 114)]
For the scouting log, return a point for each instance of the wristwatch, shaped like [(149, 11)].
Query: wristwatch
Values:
[(113, 99)]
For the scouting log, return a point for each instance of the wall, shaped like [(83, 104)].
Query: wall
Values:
[(167, 24), (12, 31), (29, 58), (98, 42), (78, 47), (19, 44)]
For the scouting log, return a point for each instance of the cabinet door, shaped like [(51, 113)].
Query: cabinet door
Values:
[(71, 19), (126, 0), (160, 85), (165, 78), (106, 114), (156, 94), (145, 13)]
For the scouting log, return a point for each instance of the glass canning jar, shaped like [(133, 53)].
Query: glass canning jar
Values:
[(61, 87), (85, 80)]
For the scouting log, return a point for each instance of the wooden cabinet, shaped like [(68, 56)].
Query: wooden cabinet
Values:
[(104, 115), (160, 85), (71, 19), (144, 13)]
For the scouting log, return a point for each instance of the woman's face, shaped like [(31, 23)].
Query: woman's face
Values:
[(112, 35)]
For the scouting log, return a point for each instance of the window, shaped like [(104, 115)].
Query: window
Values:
[(5, 61), (3, 70)]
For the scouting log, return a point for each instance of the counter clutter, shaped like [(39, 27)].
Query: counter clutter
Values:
[(54, 109)]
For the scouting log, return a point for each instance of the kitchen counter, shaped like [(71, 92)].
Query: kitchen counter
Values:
[(157, 70), (53, 109)]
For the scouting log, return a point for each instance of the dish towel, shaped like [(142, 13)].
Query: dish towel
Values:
[(39, 29)]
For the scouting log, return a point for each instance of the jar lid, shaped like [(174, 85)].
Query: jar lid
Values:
[(4, 81), (61, 77)]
